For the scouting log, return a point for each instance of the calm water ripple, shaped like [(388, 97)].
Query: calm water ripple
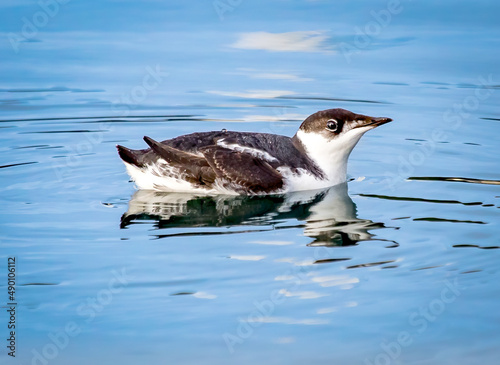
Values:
[(399, 266)]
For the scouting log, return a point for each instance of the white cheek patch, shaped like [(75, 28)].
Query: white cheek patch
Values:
[(331, 155)]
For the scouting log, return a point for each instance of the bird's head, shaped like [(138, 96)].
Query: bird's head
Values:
[(329, 136)]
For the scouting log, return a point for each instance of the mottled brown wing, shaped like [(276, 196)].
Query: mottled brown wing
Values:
[(244, 169), (192, 168), (173, 155)]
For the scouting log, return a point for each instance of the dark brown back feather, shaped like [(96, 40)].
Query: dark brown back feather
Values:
[(251, 173)]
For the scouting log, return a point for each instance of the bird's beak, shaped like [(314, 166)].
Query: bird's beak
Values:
[(379, 121), (373, 122)]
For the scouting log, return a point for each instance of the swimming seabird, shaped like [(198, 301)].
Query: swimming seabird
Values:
[(252, 163)]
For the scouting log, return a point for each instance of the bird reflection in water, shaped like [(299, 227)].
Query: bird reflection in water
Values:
[(327, 216)]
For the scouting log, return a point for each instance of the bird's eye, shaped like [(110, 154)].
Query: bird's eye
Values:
[(332, 125)]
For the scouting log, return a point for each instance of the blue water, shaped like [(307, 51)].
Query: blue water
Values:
[(399, 266)]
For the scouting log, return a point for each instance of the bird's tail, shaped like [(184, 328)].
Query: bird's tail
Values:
[(130, 156)]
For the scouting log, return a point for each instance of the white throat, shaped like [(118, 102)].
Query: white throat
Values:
[(331, 155)]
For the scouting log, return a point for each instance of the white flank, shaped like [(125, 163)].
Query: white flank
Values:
[(158, 177), (162, 177)]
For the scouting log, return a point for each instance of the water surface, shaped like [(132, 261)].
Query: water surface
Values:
[(399, 266)]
